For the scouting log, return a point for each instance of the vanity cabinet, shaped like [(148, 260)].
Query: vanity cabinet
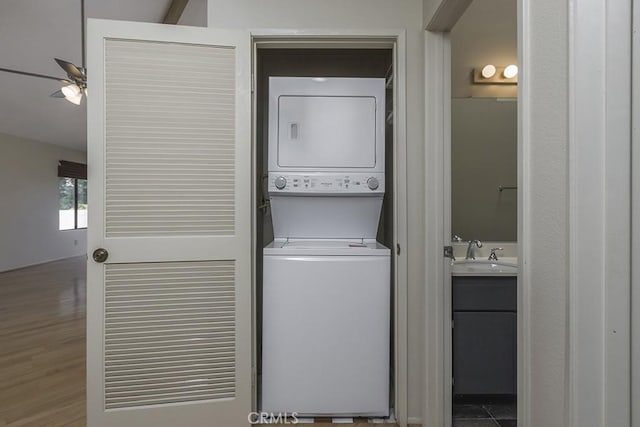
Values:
[(484, 335)]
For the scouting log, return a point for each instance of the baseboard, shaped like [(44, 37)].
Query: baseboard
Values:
[(414, 422), (42, 262)]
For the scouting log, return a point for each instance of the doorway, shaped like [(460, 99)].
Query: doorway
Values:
[(323, 58), (482, 294)]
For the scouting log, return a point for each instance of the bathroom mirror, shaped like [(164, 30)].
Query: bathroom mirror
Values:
[(484, 124)]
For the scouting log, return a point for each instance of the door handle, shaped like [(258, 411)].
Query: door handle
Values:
[(100, 255)]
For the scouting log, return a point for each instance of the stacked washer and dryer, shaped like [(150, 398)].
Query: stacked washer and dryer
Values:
[(326, 280)]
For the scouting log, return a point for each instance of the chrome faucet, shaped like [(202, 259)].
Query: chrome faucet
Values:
[(493, 256), (470, 248)]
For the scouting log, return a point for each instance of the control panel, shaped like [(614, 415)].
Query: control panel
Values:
[(345, 183)]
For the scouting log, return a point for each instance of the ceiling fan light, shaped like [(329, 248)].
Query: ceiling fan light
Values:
[(71, 90), (74, 99)]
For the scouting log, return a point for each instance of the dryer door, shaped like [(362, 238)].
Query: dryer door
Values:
[(326, 124), (326, 131)]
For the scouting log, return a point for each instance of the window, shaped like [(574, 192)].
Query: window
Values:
[(72, 191)]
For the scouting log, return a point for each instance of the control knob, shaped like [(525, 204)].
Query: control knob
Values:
[(373, 183), (280, 182)]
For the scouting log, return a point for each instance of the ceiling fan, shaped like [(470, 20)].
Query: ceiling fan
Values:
[(75, 85)]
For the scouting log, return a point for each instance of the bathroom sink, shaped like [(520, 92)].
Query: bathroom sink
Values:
[(483, 267)]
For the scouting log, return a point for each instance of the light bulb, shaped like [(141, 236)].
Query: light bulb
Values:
[(74, 99), (510, 71), (70, 90), (488, 71)]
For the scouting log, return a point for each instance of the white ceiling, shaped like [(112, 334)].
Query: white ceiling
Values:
[(33, 32)]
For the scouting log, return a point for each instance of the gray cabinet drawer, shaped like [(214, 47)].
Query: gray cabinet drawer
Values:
[(485, 294)]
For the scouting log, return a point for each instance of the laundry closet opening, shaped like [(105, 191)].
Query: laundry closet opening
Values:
[(306, 360)]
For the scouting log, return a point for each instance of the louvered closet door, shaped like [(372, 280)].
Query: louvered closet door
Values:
[(169, 311)]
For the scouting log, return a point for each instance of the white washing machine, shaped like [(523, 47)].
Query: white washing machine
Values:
[(326, 281), (325, 339)]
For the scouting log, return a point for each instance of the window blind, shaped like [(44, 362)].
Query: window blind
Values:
[(68, 169)]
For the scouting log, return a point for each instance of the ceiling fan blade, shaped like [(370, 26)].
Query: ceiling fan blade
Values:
[(57, 94), (73, 71), (24, 73)]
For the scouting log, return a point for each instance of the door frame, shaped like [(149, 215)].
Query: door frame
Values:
[(438, 356), (438, 388), (396, 40), (602, 308)]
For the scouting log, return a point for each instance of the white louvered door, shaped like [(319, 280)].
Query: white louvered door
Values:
[(169, 311)]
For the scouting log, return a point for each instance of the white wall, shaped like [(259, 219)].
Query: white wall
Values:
[(195, 13), (545, 208), (429, 8), (29, 204), (366, 14)]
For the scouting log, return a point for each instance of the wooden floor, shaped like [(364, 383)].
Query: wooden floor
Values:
[(42, 346)]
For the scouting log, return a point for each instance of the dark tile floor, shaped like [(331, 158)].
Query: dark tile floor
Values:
[(484, 412)]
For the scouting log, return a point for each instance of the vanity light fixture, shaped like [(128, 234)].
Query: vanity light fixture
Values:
[(491, 74), (510, 71), (488, 71)]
